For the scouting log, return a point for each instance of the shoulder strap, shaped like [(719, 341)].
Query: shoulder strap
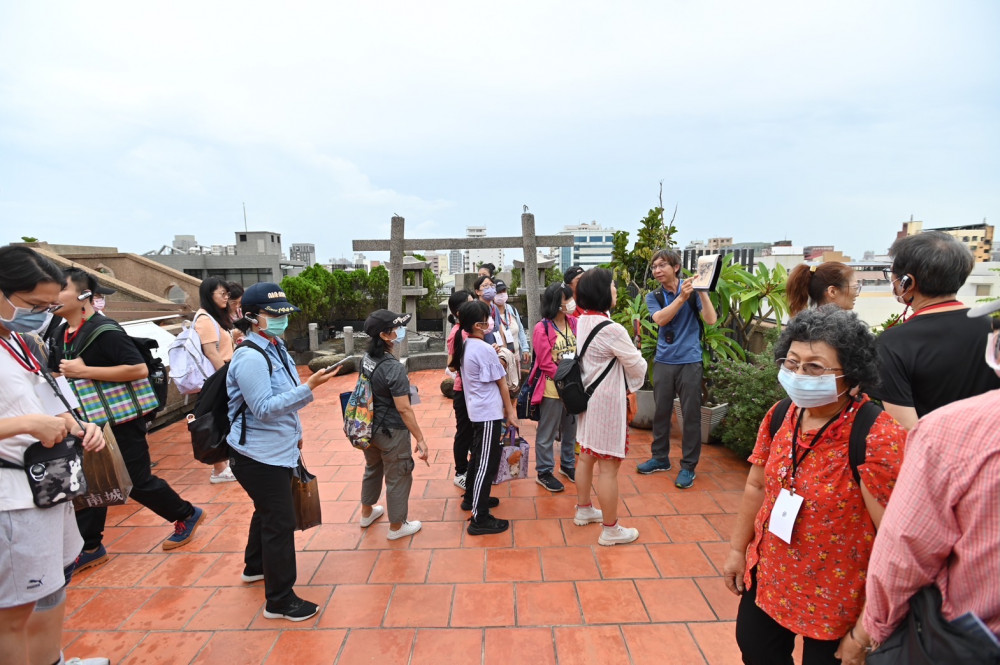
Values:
[(102, 328), (863, 421), (778, 416), (241, 412), (218, 328), (593, 386), (697, 317), (658, 294), (250, 345)]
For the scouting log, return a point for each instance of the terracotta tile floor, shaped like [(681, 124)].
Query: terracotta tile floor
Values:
[(544, 592)]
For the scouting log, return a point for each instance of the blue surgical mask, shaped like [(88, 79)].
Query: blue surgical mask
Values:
[(400, 333), (809, 391), (489, 293), (24, 320), (276, 326)]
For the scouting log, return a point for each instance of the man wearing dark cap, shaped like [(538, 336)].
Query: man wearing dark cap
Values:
[(393, 422), (570, 279)]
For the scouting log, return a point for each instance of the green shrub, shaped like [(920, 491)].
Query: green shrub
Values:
[(751, 388)]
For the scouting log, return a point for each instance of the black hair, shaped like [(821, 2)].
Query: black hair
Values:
[(593, 291), (235, 290), (244, 324), (377, 346), (456, 300), (205, 292), (469, 314), (489, 266), (83, 281), (848, 335), (552, 299), (938, 261), (479, 281), (23, 269)]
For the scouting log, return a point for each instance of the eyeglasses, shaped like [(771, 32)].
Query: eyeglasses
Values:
[(887, 273), (811, 369), (856, 288), (34, 309)]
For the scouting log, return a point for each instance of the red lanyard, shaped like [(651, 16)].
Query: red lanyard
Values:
[(949, 303), (21, 354)]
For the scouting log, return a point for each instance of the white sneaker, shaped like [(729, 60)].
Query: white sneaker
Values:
[(460, 481), (617, 535), (587, 515), (224, 477), (377, 512), (86, 661), (408, 529)]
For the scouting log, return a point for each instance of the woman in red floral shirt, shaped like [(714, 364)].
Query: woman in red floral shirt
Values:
[(805, 529)]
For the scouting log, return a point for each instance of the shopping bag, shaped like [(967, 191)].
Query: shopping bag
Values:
[(108, 481), (513, 457), (117, 403), (305, 498)]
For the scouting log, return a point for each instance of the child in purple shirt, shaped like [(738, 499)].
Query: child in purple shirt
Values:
[(487, 400)]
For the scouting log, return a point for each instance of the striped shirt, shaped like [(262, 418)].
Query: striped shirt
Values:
[(942, 524)]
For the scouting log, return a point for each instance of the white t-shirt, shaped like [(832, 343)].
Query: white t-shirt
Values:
[(17, 398)]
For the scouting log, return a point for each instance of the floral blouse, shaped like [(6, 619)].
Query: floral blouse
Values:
[(815, 585)]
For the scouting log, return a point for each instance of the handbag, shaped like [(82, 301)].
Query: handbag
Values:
[(106, 402), (305, 498), (108, 480), (925, 637), (513, 457)]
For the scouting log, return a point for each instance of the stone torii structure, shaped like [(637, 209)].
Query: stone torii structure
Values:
[(397, 245)]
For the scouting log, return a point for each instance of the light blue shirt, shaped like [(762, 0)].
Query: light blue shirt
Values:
[(273, 425)]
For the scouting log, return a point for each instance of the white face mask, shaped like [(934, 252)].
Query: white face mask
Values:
[(809, 391), (993, 351), (570, 306), (501, 299)]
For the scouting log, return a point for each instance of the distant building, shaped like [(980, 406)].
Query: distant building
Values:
[(456, 261), (476, 257), (592, 245), (435, 261), (719, 243), (304, 252), (977, 237), (814, 252), (256, 257)]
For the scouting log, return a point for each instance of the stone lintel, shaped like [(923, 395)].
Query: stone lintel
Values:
[(379, 245)]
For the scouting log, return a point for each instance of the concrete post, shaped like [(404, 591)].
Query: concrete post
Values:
[(348, 341), (396, 243), (313, 336), (531, 270)]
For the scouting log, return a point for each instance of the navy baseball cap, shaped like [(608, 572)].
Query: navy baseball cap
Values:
[(269, 297)]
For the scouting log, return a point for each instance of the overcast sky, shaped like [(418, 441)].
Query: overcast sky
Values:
[(820, 122)]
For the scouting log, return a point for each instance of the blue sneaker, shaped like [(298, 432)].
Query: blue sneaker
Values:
[(652, 466), (91, 559), (184, 529), (685, 479)]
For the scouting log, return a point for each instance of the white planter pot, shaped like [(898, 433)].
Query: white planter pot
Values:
[(711, 416)]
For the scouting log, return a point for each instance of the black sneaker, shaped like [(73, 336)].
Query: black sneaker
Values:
[(549, 482), (487, 525), (492, 503), (296, 610), (569, 473)]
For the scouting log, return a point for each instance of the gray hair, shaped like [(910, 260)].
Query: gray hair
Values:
[(848, 335), (938, 261)]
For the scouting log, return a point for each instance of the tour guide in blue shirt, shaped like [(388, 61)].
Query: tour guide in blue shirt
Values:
[(264, 448), (677, 370)]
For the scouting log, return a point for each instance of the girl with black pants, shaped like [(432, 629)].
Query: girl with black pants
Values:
[(463, 426)]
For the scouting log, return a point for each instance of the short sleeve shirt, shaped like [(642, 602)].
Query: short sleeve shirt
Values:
[(481, 369), (686, 347), (389, 380), (210, 332), (934, 359), (815, 585)]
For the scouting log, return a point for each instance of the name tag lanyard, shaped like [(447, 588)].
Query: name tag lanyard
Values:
[(796, 459), (20, 352)]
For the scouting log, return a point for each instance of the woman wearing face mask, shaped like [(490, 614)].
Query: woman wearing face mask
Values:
[(264, 443), (554, 337), (509, 324), (393, 421), (486, 291), (804, 533), (235, 308), (214, 326)]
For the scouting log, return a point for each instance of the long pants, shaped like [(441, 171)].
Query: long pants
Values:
[(764, 641), (463, 434), (389, 457), (147, 489), (271, 542), (551, 416), (483, 466), (682, 381)]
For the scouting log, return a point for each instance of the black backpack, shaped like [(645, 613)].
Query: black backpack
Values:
[(863, 422), (209, 423), (569, 378)]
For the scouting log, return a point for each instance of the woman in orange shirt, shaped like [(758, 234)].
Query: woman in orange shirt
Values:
[(805, 529), (214, 326)]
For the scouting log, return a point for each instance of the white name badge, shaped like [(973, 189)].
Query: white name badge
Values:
[(786, 509), (51, 403)]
